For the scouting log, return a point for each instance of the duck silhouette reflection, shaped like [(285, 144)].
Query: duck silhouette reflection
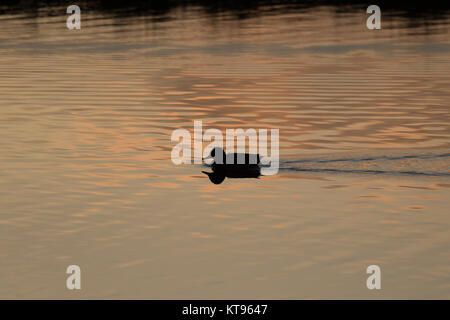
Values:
[(232, 165)]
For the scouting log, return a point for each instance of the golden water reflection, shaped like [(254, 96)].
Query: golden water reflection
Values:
[(86, 176)]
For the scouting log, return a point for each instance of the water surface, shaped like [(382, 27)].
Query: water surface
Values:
[(86, 176)]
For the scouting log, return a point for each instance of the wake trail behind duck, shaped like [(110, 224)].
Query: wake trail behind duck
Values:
[(420, 164)]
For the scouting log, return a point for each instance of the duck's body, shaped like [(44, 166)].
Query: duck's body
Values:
[(233, 165), (237, 170)]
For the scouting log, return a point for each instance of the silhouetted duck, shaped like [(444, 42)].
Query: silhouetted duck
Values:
[(233, 165)]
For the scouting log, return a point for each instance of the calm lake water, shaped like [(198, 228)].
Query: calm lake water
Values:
[(86, 176)]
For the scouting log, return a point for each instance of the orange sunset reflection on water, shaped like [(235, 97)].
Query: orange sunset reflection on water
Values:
[(86, 119)]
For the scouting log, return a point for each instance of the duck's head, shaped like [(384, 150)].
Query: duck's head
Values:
[(218, 155)]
